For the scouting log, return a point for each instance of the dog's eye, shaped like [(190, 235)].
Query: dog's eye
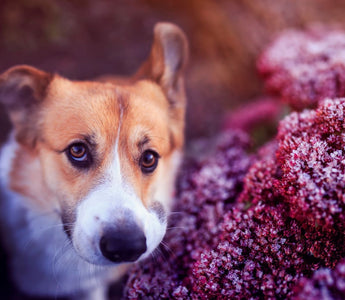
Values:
[(149, 161), (78, 154)]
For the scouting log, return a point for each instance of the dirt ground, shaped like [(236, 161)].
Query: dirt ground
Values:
[(82, 39)]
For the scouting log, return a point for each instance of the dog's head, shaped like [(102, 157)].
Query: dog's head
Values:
[(103, 154)]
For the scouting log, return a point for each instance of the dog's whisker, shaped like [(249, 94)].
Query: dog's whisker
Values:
[(59, 254), (44, 214), (176, 227), (62, 251), (162, 254), (79, 272), (154, 255), (176, 213), (37, 232), (166, 247), (42, 230)]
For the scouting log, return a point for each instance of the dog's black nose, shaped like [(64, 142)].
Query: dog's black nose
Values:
[(123, 245)]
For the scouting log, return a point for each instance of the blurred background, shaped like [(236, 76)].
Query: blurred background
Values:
[(82, 39)]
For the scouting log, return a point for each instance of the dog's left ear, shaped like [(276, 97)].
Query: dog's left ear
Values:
[(167, 61), (22, 89)]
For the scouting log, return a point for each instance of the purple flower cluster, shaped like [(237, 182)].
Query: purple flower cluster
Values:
[(258, 227), (305, 67), (325, 284), (265, 249), (258, 256), (312, 159)]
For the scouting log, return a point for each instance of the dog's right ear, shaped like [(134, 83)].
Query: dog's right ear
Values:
[(22, 89), (167, 61)]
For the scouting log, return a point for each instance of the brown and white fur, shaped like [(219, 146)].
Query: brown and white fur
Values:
[(89, 168)]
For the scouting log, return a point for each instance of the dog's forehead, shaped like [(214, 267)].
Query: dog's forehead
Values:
[(74, 110)]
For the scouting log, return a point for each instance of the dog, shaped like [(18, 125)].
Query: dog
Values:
[(87, 174)]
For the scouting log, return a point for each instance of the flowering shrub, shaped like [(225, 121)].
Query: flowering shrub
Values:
[(257, 227), (264, 250), (324, 284), (258, 255), (312, 158), (305, 67)]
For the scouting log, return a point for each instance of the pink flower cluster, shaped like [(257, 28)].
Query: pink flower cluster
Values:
[(312, 159), (305, 67), (258, 256), (324, 284), (263, 250), (257, 227)]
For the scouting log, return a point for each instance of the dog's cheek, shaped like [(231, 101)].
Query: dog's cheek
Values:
[(60, 180), (163, 188), (51, 169)]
